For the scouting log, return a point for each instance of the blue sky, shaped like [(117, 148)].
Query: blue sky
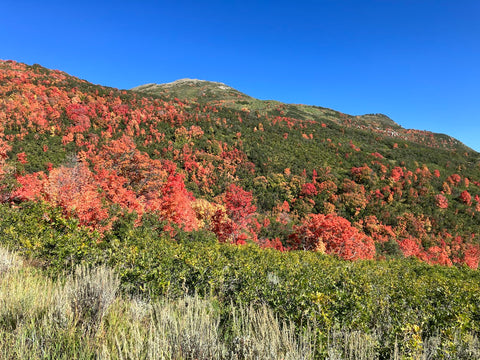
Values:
[(417, 61)]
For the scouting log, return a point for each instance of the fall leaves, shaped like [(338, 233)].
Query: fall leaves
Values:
[(187, 164), (332, 234)]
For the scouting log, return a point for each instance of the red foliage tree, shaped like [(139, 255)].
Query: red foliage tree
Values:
[(175, 203), (309, 190), (222, 226), (472, 256), (466, 198), (238, 203), (115, 191), (454, 179), (438, 255), (31, 187), (441, 201), (228, 225), (145, 175), (22, 158), (397, 173), (72, 188), (335, 235), (410, 247)]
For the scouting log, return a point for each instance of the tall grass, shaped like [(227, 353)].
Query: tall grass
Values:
[(191, 328), (86, 296), (82, 316), (8, 261)]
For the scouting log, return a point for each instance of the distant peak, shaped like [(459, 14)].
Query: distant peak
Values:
[(185, 81), (380, 119), (193, 88), (194, 81)]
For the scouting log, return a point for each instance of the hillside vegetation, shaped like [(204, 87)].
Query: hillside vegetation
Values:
[(349, 230), (324, 308), (201, 155)]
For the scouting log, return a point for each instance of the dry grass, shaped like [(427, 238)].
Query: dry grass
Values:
[(8, 261), (83, 317), (86, 296), (190, 329)]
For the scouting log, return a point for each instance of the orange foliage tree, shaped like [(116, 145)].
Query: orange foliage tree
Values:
[(71, 188), (176, 203), (229, 224), (332, 234)]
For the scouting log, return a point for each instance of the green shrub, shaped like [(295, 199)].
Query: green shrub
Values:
[(390, 300)]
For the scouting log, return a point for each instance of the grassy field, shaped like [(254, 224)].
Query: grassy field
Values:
[(84, 316)]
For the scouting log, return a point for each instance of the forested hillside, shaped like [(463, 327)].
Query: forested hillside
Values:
[(357, 236), (201, 155)]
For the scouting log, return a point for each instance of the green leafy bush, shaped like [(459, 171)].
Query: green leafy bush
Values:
[(388, 298)]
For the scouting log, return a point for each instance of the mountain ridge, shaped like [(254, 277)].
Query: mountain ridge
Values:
[(212, 91)]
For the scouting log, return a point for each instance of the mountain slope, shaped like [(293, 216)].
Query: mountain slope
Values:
[(199, 155), (215, 93), (192, 89)]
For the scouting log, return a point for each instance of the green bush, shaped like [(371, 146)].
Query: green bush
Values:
[(400, 299)]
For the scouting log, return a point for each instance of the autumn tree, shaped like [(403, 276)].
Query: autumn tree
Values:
[(71, 188), (332, 234), (238, 203), (231, 224), (175, 203)]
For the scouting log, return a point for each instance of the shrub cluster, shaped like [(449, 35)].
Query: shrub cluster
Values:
[(388, 300)]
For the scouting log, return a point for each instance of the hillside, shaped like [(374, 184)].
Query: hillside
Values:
[(359, 237), (190, 89), (198, 155), (211, 93)]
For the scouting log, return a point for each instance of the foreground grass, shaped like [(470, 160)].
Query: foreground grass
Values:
[(83, 316)]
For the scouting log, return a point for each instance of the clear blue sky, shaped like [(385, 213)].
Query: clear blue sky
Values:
[(418, 61)]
